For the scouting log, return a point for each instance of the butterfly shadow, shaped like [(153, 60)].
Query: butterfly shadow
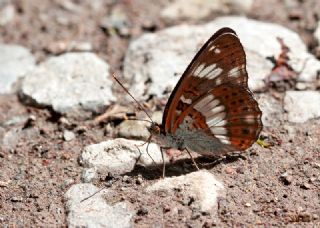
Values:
[(182, 166)]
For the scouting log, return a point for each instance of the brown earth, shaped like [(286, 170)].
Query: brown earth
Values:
[(277, 186)]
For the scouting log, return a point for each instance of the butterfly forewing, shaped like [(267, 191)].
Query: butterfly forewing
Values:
[(219, 60), (212, 99)]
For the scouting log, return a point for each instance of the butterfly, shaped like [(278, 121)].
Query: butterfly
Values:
[(211, 110)]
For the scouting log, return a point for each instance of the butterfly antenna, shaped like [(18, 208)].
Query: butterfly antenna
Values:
[(141, 120), (93, 194), (125, 89)]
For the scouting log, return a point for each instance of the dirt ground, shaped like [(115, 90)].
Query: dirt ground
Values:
[(276, 186)]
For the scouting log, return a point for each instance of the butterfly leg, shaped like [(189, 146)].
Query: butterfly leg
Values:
[(163, 162), (194, 162), (140, 154), (147, 149), (148, 141)]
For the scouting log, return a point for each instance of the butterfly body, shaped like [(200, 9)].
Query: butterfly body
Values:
[(211, 110)]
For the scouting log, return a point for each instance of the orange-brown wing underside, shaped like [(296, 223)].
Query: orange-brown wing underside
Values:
[(217, 72)]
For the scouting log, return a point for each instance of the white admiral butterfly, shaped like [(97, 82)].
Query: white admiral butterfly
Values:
[(211, 110)]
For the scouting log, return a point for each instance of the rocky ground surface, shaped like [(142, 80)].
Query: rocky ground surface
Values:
[(69, 156)]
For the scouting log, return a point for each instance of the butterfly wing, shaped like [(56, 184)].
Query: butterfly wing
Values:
[(212, 99)]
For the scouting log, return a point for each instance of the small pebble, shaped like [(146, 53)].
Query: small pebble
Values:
[(305, 217), (312, 179), (295, 14), (142, 211), (248, 205), (66, 183), (301, 86), (180, 211), (205, 213), (317, 165), (16, 199), (30, 122), (139, 181), (81, 129), (126, 179), (240, 170), (166, 209), (306, 186), (286, 178), (195, 215), (64, 121), (230, 170), (4, 183), (68, 135), (80, 46), (208, 224)]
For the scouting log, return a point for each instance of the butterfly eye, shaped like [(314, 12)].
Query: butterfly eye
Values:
[(157, 129)]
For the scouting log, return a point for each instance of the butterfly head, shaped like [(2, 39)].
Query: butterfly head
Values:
[(155, 129)]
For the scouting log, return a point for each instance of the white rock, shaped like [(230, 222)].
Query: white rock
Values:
[(272, 110), (317, 33), (200, 185), (119, 156), (302, 105), (195, 9), (134, 129), (163, 56), (15, 62), (69, 83), (94, 211)]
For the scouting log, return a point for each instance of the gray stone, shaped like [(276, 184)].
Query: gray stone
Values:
[(70, 83), (12, 137), (89, 174), (134, 129), (195, 9), (94, 211), (202, 186), (302, 105), (119, 156), (15, 62), (272, 110), (163, 56), (15, 120)]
